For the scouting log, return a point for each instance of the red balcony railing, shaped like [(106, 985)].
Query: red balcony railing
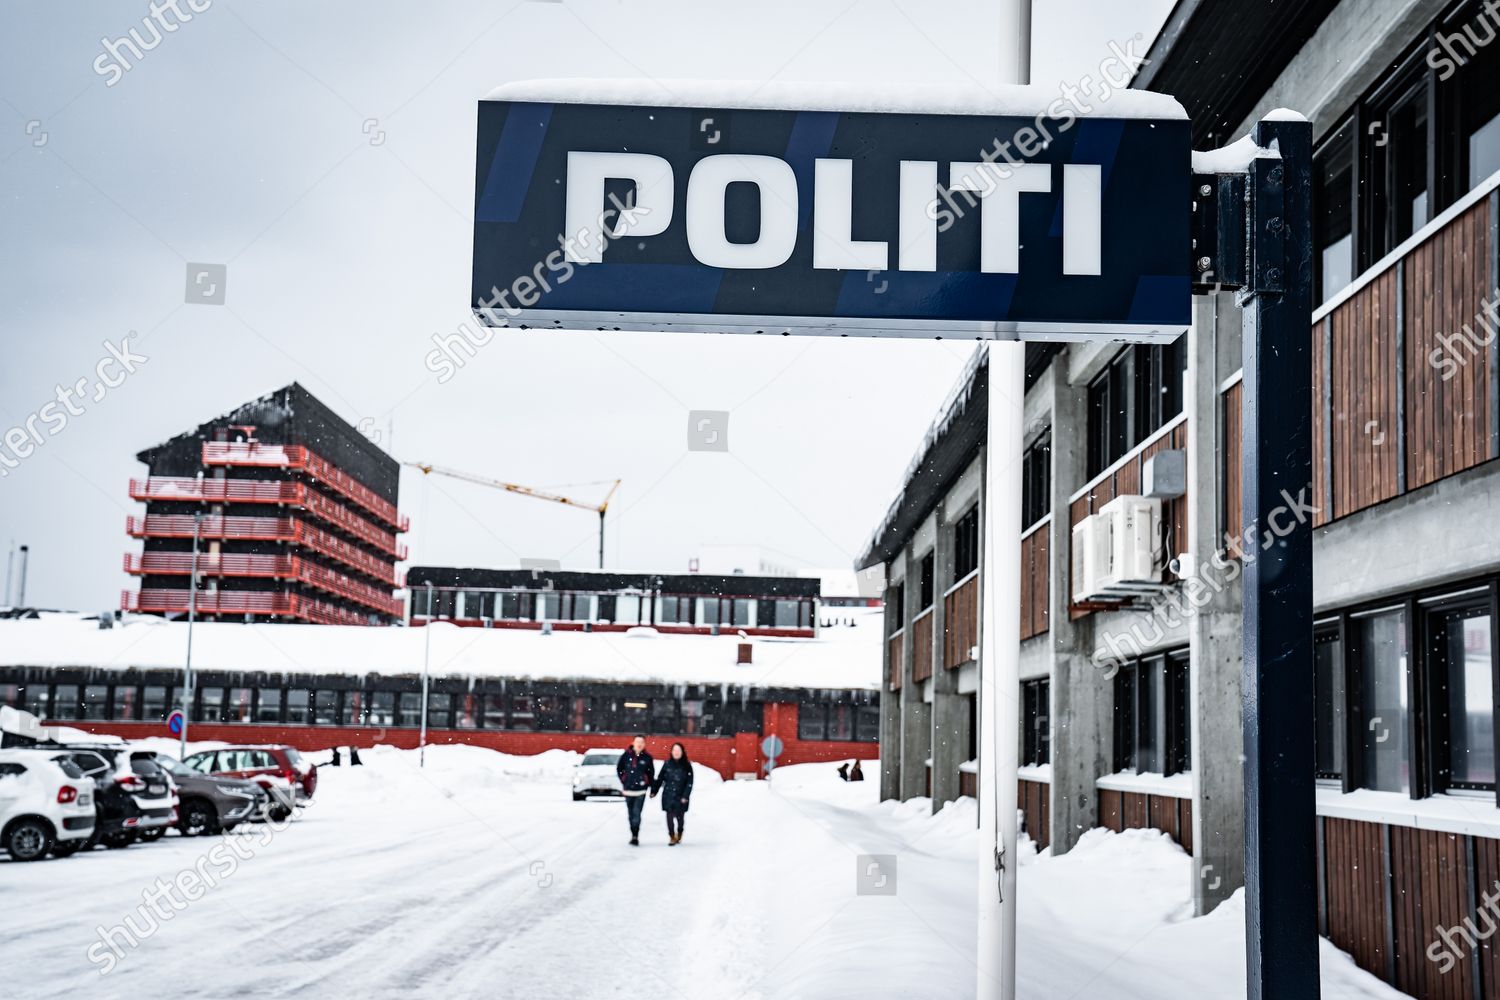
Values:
[(276, 456), (241, 602), (270, 529), (281, 493), (242, 565)]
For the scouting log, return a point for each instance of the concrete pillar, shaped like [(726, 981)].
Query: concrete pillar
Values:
[(916, 714), (890, 701), (1213, 637), (1082, 709), (950, 713)]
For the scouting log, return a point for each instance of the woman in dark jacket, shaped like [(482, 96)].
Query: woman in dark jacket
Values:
[(675, 783)]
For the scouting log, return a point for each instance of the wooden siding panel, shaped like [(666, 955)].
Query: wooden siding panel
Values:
[(893, 652), (961, 623), (1429, 889), (1487, 880), (1111, 813), (1035, 571), (921, 646), (1365, 435), (1034, 800), (1234, 492), (1448, 418), (1354, 855)]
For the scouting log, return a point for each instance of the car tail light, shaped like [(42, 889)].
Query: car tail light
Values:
[(66, 794), (131, 783)]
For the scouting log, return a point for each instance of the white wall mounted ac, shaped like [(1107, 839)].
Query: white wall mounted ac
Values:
[(1116, 551)]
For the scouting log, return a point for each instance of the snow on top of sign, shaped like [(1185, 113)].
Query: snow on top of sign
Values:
[(1231, 159), (975, 99), (841, 657)]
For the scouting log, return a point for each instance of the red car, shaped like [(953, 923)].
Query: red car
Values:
[(261, 764)]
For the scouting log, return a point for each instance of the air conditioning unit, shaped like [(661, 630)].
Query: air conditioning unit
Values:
[(1115, 551), (1090, 553)]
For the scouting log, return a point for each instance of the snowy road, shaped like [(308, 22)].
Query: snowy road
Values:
[(479, 877)]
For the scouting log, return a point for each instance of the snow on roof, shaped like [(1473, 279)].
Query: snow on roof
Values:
[(1028, 101), (842, 657)]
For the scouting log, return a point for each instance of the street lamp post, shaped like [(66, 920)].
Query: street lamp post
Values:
[(187, 666)]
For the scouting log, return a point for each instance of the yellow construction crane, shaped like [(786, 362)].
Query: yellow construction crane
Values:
[(526, 491)]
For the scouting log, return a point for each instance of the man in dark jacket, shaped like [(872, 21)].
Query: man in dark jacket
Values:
[(637, 773)]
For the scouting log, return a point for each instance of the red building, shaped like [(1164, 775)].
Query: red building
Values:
[(294, 514)]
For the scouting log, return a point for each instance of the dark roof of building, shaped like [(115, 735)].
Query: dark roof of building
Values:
[(1219, 57), (602, 580), (289, 416)]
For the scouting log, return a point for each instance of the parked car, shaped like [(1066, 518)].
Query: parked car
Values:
[(288, 777), (211, 803), (45, 802), (595, 775), (132, 794)]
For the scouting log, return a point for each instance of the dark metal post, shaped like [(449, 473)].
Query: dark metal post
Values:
[(1281, 900)]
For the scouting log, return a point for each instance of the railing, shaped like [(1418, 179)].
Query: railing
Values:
[(256, 491), (921, 646), (241, 566), (240, 602), (961, 621), (277, 456), (271, 529)]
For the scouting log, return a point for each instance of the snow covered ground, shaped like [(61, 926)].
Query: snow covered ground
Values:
[(479, 877)]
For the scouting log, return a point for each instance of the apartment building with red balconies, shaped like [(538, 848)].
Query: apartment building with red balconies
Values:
[(290, 509)]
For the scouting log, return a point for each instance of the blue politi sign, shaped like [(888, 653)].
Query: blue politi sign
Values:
[(594, 212)]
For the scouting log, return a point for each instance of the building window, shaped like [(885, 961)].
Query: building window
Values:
[(1138, 393), (298, 707), (1397, 150), (466, 711), (355, 708), (494, 711), (812, 721), (382, 708), (1383, 704), (692, 716), (35, 698), (1328, 704), (1036, 732), (238, 706), (632, 715), (867, 723), (675, 610), (926, 582), (326, 708), (268, 705), (409, 710), (792, 614), (895, 607), (1463, 701), (126, 706), (664, 715), (966, 544), (154, 701), (522, 712), (1036, 481), (581, 715), (1333, 212), (439, 711), (1151, 723), (95, 702), (551, 713), (10, 694), (210, 705), (840, 722)]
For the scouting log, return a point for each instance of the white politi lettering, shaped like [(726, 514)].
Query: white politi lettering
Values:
[(999, 187), (706, 234), (590, 225)]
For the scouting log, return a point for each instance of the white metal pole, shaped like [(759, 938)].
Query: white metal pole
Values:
[(426, 660), (1000, 615), (187, 665)]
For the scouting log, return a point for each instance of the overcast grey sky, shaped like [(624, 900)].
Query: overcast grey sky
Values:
[(324, 152)]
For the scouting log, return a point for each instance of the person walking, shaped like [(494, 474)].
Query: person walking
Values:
[(675, 783), (637, 773)]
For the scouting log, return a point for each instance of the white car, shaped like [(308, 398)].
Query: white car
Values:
[(45, 801), (595, 774)]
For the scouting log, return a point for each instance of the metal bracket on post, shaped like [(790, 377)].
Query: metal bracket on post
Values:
[(1218, 233)]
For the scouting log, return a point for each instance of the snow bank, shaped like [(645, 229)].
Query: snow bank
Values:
[(799, 95)]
